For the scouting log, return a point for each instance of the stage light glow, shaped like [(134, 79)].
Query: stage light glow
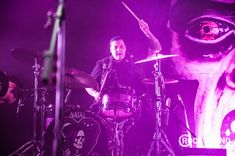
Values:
[(232, 126), (227, 132)]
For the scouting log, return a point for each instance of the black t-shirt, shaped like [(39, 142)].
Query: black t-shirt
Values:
[(123, 74)]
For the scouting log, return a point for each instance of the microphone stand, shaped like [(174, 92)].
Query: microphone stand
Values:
[(59, 36), (159, 136)]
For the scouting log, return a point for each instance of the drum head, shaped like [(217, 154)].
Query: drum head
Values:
[(83, 133)]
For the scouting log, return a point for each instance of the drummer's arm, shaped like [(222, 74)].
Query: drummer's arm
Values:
[(94, 93), (96, 73), (154, 41)]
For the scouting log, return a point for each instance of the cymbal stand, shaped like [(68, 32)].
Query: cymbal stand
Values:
[(159, 136), (34, 144), (117, 148)]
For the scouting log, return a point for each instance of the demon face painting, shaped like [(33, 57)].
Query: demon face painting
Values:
[(203, 35)]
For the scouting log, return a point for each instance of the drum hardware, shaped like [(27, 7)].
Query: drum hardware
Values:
[(159, 136), (117, 135), (118, 107), (118, 139), (24, 148), (38, 111)]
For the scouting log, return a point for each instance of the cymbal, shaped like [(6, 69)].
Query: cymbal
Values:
[(26, 55), (75, 78), (150, 81), (155, 57)]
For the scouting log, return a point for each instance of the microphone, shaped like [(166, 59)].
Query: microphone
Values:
[(166, 112), (180, 100), (19, 105), (189, 132)]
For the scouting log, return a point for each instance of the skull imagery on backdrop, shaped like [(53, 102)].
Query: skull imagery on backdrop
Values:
[(203, 35)]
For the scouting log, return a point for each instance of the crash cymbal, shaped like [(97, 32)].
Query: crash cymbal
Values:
[(155, 57), (150, 81), (75, 78), (26, 55)]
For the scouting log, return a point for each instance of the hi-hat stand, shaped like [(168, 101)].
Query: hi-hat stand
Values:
[(159, 137)]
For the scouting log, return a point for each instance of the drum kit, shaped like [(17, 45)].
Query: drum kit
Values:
[(90, 131)]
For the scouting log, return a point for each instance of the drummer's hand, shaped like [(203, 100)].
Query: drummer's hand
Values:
[(94, 93), (144, 27), (97, 97)]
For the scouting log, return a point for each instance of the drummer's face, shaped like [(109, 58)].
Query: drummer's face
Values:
[(118, 49), (205, 41)]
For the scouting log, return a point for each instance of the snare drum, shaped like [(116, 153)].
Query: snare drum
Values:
[(118, 103)]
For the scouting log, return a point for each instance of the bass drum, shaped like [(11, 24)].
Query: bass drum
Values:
[(83, 134)]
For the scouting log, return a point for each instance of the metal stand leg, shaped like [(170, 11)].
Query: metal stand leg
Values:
[(36, 143), (159, 137), (117, 143)]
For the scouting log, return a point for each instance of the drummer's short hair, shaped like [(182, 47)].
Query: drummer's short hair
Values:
[(115, 38)]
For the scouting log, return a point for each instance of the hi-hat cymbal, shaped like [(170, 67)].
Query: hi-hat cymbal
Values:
[(155, 57), (75, 78), (26, 55), (150, 81)]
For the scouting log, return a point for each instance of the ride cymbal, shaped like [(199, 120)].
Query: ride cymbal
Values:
[(154, 57)]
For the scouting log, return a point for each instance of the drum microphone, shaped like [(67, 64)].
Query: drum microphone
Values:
[(180, 100), (189, 132), (166, 112), (19, 105)]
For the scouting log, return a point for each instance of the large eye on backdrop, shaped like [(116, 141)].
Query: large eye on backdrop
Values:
[(208, 30)]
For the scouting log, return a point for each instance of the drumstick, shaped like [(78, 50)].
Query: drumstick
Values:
[(131, 11)]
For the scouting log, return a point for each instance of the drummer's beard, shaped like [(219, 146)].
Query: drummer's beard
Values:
[(215, 96)]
